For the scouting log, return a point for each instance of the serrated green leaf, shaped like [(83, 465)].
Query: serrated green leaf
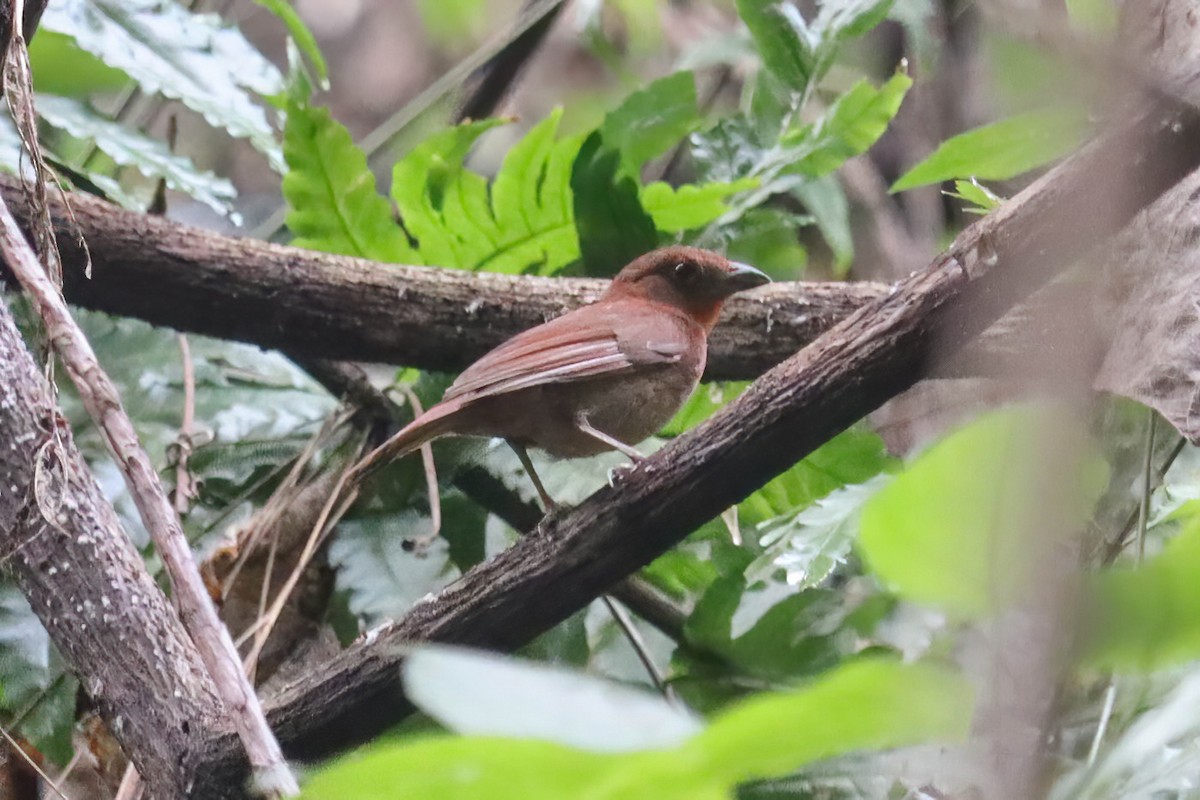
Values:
[(1001, 150), (784, 40), (194, 58), (808, 545), (129, 148), (690, 206), (382, 576), (652, 120), (333, 204)]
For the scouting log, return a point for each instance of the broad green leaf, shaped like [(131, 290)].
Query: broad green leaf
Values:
[(855, 122), (129, 148), (487, 695), (784, 40), (950, 530), (768, 238), (650, 121), (613, 227), (195, 58), (60, 67), (1148, 617), (454, 22), (1001, 150), (690, 206), (702, 404), (868, 704), (333, 204), (463, 768), (300, 34)]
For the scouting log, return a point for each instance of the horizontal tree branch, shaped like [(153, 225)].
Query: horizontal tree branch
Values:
[(876, 353), (336, 307)]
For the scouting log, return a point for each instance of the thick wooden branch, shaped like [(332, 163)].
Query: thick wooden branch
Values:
[(877, 352), (61, 541), (317, 305)]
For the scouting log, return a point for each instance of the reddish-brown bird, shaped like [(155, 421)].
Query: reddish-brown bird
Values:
[(602, 377)]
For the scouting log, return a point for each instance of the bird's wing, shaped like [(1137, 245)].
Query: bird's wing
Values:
[(576, 346)]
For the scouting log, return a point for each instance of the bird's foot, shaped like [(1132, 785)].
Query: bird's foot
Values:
[(620, 472)]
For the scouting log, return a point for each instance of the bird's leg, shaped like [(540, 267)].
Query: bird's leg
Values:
[(523, 456), (616, 444)]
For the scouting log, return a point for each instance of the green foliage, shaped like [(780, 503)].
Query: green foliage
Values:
[(129, 148), (866, 705), (652, 120), (949, 530), (300, 35), (553, 200), (1148, 617), (1002, 149), (330, 192), (977, 197), (193, 58)]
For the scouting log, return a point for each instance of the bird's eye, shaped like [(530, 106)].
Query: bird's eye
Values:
[(687, 271)]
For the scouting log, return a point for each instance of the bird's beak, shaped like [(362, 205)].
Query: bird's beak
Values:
[(743, 276)]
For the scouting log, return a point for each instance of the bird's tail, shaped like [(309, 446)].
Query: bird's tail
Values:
[(436, 422)]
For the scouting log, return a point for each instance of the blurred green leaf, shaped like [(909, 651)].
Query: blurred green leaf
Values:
[(488, 695), (613, 227), (454, 23), (61, 67), (768, 238), (129, 148), (1148, 617), (868, 704), (652, 120), (194, 58), (1094, 16), (331, 196), (947, 531), (1001, 150), (865, 705), (825, 200)]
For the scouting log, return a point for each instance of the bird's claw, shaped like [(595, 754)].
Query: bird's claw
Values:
[(619, 473)]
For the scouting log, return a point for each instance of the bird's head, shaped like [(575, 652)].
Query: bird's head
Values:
[(694, 280)]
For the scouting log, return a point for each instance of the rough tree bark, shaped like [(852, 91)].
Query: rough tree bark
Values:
[(61, 541)]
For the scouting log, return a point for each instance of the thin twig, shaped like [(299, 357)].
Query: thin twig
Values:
[(20, 751), (103, 403), (131, 787), (185, 484), (634, 636)]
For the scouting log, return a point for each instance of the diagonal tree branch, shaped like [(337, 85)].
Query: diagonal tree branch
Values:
[(870, 357)]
